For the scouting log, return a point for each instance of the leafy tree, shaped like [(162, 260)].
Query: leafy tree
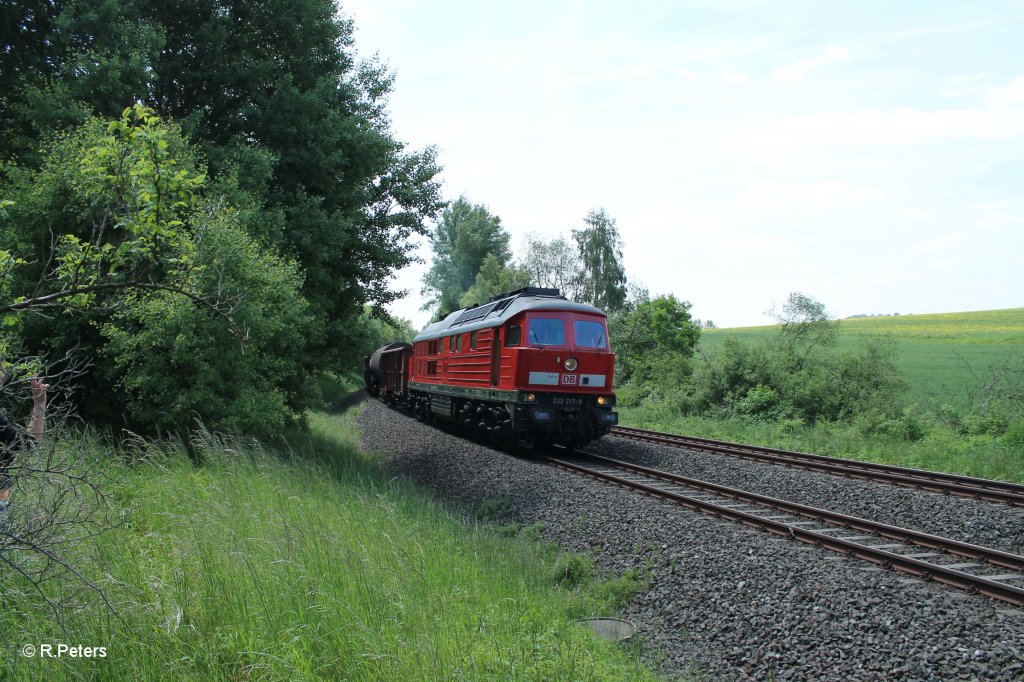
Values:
[(466, 234), (177, 362), (603, 280), (805, 325), (494, 279), (377, 330), (555, 264), (180, 311), (654, 340), (113, 209), (271, 95)]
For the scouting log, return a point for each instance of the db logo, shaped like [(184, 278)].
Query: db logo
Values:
[(569, 379)]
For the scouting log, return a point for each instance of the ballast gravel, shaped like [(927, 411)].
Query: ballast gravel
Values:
[(725, 602), (993, 525)]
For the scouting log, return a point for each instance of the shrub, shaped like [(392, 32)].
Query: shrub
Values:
[(907, 425), (1015, 433), (615, 593), (179, 362), (572, 570), (760, 401), (992, 421)]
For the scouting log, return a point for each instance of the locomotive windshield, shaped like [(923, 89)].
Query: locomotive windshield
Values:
[(589, 334), (546, 331)]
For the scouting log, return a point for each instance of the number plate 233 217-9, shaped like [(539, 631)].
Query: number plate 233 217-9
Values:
[(560, 400)]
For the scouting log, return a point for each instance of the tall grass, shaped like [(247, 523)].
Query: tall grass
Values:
[(310, 565)]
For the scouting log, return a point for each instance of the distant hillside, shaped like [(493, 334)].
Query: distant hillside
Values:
[(942, 354)]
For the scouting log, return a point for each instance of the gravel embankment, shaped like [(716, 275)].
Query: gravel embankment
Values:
[(725, 601), (992, 525)]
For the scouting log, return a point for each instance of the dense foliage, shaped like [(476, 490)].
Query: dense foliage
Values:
[(654, 340), (182, 314), (796, 374), (463, 239), (294, 205), (603, 277)]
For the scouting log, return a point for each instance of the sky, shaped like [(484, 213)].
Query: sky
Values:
[(868, 154)]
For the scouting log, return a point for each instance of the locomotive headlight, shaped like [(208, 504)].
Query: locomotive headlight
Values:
[(530, 397), (570, 364), (602, 400)]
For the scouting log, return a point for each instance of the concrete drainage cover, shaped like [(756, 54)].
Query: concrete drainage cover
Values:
[(610, 629)]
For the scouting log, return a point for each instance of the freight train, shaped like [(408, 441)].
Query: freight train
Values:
[(529, 367)]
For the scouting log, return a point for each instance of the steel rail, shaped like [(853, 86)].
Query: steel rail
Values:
[(980, 488), (953, 577)]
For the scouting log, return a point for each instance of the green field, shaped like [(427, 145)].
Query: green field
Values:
[(943, 356)]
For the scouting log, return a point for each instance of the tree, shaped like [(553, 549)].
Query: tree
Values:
[(804, 325), (180, 311), (179, 364), (653, 340), (273, 98), (603, 279), (492, 280), (127, 193), (466, 234), (554, 264)]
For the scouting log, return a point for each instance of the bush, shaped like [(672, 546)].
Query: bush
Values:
[(760, 401), (992, 422), (615, 593), (180, 362), (1015, 433), (769, 380), (572, 570), (907, 425)]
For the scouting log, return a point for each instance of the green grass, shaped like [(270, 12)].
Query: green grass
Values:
[(981, 455), (313, 566), (932, 349)]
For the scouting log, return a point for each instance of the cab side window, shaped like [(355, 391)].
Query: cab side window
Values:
[(515, 336), (472, 341)]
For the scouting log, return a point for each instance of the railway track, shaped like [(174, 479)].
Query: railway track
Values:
[(951, 484), (958, 564)]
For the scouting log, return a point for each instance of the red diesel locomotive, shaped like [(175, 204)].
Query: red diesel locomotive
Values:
[(529, 366)]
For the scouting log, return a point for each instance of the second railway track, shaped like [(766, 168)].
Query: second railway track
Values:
[(987, 571), (978, 488)]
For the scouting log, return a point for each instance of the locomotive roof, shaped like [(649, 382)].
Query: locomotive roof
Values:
[(496, 313)]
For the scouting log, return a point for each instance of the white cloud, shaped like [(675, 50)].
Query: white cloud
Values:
[(996, 214), (965, 85), (1009, 94), (872, 127), (914, 214), (773, 195), (980, 87), (798, 71), (950, 28), (735, 78), (940, 243)]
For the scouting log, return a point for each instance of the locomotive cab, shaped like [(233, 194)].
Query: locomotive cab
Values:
[(564, 362)]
